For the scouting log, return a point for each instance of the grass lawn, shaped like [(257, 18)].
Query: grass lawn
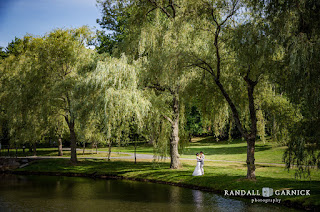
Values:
[(54, 152), (234, 150), (141, 149), (218, 175)]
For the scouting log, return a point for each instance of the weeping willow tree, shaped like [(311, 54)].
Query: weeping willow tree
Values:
[(238, 55), (214, 111), (91, 130), (115, 98), (218, 38), (44, 73), (22, 86), (166, 74), (152, 39), (276, 114), (295, 28), (230, 45)]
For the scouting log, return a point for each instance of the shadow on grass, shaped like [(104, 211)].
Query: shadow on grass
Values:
[(27, 153), (211, 140), (225, 150)]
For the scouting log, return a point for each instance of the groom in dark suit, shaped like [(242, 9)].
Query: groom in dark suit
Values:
[(202, 162)]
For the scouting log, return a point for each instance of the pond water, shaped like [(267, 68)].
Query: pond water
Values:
[(48, 193)]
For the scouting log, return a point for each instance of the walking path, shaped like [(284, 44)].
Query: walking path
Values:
[(141, 156)]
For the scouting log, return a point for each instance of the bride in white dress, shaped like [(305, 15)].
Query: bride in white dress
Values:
[(197, 170)]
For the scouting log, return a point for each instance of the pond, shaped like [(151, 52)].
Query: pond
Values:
[(52, 193)]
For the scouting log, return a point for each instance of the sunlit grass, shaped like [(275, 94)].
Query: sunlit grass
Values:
[(66, 153), (234, 150)]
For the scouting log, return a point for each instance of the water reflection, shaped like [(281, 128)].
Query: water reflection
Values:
[(44, 193), (197, 198)]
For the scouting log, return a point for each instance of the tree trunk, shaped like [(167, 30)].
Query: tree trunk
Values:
[(60, 152), (109, 154), (250, 159), (175, 164), (96, 148), (84, 147), (135, 152), (251, 138), (73, 141), (274, 129), (174, 154), (34, 149)]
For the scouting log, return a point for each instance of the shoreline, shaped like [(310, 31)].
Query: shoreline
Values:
[(286, 203)]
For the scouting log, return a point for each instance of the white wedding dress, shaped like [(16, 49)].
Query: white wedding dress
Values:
[(197, 170)]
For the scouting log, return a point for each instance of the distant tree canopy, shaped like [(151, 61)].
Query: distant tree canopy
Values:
[(114, 25)]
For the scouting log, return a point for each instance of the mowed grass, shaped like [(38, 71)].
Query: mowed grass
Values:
[(235, 150), (141, 149), (219, 176), (66, 153)]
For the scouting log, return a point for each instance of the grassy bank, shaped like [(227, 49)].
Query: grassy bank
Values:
[(218, 176)]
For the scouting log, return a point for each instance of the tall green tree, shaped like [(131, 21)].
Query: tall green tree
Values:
[(41, 79), (231, 47), (20, 98), (64, 58), (115, 15), (163, 73), (295, 28)]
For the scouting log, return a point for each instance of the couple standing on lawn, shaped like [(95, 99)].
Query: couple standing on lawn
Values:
[(198, 171)]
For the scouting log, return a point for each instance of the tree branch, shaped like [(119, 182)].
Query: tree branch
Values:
[(161, 8), (151, 10), (158, 87), (233, 10), (234, 110), (171, 4), (208, 67), (166, 117)]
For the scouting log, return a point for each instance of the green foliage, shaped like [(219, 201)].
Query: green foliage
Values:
[(116, 98), (168, 61), (295, 29), (3, 54), (15, 47), (38, 80), (114, 20), (194, 125)]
